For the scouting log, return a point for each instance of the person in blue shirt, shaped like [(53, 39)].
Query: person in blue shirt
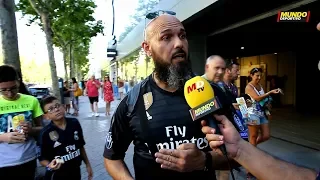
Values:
[(61, 144)]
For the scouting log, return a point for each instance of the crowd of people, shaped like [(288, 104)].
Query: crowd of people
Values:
[(153, 115), (94, 89)]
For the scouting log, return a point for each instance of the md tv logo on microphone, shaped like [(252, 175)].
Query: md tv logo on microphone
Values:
[(199, 85)]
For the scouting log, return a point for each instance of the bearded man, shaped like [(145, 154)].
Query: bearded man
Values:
[(155, 116)]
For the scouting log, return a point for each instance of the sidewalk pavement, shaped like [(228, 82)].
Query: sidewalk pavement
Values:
[(96, 128)]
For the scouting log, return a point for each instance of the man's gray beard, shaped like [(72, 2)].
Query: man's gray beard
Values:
[(174, 75), (177, 76), (174, 80)]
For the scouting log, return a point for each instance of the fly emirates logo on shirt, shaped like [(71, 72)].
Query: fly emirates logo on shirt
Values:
[(72, 151), (179, 132)]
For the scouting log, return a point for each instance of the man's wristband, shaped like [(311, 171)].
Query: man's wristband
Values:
[(318, 176), (208, 164)]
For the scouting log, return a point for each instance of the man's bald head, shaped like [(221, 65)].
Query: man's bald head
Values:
[(213, 58), (157, 24), (165, 41), (215, 68)]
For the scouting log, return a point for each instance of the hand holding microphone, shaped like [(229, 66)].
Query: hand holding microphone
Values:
[(200, 97), (230, 136)]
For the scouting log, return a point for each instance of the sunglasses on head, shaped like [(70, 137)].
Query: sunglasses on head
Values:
[(231, 62), (155, 14), (152, 15), (254, 70)]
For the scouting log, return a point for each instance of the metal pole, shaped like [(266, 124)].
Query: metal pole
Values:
[(113, 14)]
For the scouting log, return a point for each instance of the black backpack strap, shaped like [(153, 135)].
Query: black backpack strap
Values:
[(135, 104)]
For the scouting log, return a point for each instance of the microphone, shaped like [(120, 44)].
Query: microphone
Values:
[(200, 97)]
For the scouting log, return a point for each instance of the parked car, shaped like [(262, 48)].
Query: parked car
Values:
[(40, 92)]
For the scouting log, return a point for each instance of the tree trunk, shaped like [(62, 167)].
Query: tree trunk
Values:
[(48, 32), (71, 65), (126, 71), (65, 59), (77, 71), (136, 69), (8, 34), (121, 69)]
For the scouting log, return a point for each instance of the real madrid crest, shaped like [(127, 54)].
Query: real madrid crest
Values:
[(109, 140), (54, 136), (148, 100), (76, 137)]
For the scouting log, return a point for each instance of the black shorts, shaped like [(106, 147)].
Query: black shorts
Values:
[(24, 171), (93, 99), (64, 174)]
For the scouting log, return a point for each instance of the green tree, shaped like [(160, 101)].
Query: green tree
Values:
[(45, 11), (143, 8), (74, 29), (62, 22), (81, 61)]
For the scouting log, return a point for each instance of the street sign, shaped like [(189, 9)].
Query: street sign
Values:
[(112, 53)]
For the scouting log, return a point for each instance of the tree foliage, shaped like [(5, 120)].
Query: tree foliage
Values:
[(75, 23), (80, 54), (62, 21), (143, 8), (72, 22)]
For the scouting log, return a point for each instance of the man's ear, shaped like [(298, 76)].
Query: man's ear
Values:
[(18, 84), (146, 48), (228, 70), (206, 67)]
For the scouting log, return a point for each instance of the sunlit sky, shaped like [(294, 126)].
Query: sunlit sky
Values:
[(32, 43)]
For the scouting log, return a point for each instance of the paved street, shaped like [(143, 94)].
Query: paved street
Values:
[(95, 130)]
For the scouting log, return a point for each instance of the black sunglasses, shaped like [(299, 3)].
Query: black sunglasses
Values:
[(153, 15)]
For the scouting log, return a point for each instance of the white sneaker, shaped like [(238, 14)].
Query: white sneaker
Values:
[(97, 114), (92, 114)]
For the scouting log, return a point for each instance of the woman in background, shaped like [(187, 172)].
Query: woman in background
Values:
[(258, 120), (66, 96), (107, 93), (75, 99), (121, 88)]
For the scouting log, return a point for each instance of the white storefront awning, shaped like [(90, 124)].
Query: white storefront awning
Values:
[(184, 10)]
